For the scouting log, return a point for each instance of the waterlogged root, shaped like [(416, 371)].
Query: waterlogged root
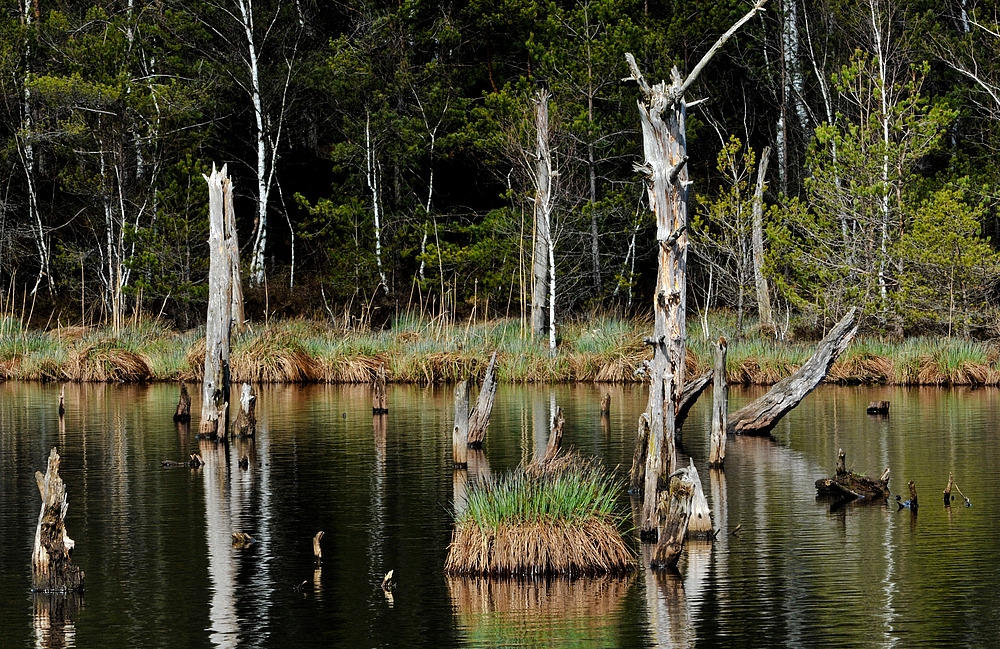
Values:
[(588, 548), (274, 357), (102, 361)]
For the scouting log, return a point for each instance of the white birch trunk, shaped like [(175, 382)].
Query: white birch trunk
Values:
[(372, 174), (883, 199), (760, 282), (544, 177)]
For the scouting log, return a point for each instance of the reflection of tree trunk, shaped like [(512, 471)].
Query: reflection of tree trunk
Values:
[(539, 423), (52, 617), (667, 606), (218, 533)]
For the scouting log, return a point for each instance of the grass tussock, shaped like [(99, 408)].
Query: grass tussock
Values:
[(530, 522), (107, 361)]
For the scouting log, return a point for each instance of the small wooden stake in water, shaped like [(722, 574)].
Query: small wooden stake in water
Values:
[(606, 404), (460, 432), (380, 404)]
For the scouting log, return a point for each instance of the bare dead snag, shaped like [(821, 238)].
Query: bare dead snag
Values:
[(720, 407), (218, 326), (479, 420), (674, 519), (947, 490), (637, 476), (182, 414), (460, 433), (759, 416), (700, 521), (380, 403), (913, 496), (51, 569), (317, 549), (555, 437), (246, 421)]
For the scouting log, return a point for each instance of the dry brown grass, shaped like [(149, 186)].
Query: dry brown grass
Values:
[(102, 361), (591, 547), (69, 334), (274, 357), (861, 368)]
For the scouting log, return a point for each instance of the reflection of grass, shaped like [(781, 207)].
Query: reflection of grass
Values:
[(558, 612), (598, 348), (534, 522)]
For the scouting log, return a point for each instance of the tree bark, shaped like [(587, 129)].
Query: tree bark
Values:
[(460, 433), (720, 406), (763, 294), (700, 521), (543, 210), (233, 246), (246, 421), (673, 526), (479, 420), (51, 569), (215, 388), (759, 416)]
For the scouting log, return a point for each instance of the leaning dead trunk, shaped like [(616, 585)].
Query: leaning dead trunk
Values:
[(246, 421), (51, 570), (215, 389), (479, 420), (720, 406), (759, 416)]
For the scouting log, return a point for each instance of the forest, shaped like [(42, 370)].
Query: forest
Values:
[(383, 156)]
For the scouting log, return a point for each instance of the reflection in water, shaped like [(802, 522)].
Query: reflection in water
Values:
[(553, 612), (378, 514), (52, 619), (221, 555)]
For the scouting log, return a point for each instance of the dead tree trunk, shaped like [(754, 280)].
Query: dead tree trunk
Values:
[(700, 521), (720, 406), (479, 420), (544, 175), (606, 404), (51, 570), (215, 389), (380, 403), (317, 548), (460, 433), (183, 413), (763, 295), (673, 527), (233, 247), (759, 416), (246, 421), (662, 113), (947, 490), (555, 437)]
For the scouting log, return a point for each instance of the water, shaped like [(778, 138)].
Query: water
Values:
[(161, 570)]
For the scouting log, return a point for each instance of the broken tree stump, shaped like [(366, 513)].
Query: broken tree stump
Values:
[(555, 437), (700, 521), (606, 404), (479, 419), (878, 408), (720, 407), (460, 432), (246, 421), (380, 403), (847, 484), (947, 490), (637, 476), (218, 325), (759, 416), (675, 514), (182, 414), (51, 569), (317, 549), (62, 402)]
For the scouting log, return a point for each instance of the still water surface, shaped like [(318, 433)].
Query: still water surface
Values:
[(161, 570)]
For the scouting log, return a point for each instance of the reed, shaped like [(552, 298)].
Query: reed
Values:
[(532, 522)]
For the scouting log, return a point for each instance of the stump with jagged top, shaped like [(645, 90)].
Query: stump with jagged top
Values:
[(51, 568)]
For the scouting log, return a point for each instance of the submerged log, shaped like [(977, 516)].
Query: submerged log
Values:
[(675, 506), (182, 414), (460, 432), (380, 403), (847, 484), (246, 421), (758, 417), (51, 569), (480, 417), (720, 406), (878, 408)]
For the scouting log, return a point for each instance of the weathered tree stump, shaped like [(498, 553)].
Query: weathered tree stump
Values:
[(675, 515), (479, 419), (759, 416), (878, 408), (637, 476), (380, 403), (182, 414), (51, 569), (317, 548), (847, 484), (460, 432), (700, 520), (720, 407), (912, 502), (555, 437), (215, 388), (62, 402), (606, 404), (947, 490), (246, 421)]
